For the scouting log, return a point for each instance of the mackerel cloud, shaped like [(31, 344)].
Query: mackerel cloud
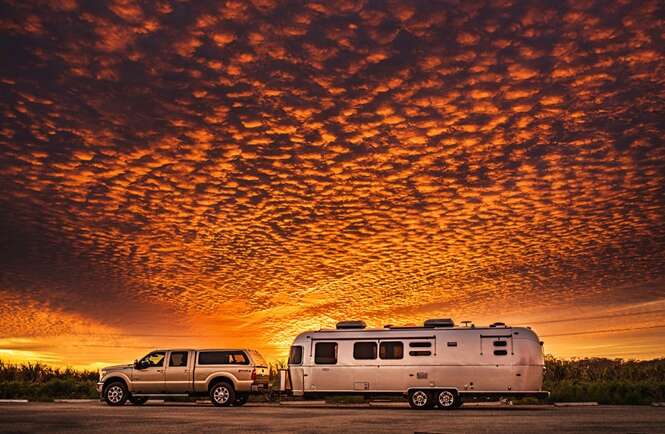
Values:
[(307, 161)]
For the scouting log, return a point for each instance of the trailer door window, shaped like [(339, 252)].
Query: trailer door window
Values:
[(325, 353), (391, 350), (364, 350), (295, 358)]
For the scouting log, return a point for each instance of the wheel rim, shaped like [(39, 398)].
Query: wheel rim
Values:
[(221, 394), (446, 399), (114, 394), (419, 398)]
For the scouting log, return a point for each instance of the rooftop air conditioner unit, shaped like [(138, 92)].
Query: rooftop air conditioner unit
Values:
[(346, 325), (441, 322)]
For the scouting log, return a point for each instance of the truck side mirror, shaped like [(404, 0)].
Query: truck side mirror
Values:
[(136, 364)]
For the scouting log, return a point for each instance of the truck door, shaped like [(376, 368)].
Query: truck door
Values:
[(178, 372), (148, 376), (296, 371)]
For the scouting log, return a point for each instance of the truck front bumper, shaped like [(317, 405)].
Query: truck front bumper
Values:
[(99, 388)]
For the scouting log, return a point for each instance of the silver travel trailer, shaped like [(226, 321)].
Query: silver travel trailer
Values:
[(437, 364)]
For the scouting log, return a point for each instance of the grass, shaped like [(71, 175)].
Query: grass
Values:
[(39, 382), (606, 381)]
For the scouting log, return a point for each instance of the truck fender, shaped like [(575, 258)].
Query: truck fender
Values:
[(118, 376), (216, 376)]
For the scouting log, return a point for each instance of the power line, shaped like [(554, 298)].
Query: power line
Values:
[(628, 329), (619, 315)]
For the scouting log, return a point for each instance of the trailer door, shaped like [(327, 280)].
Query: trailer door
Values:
[(496, 355), (323, 374), (296, 371)]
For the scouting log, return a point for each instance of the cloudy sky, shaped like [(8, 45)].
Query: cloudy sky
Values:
[(230, 173)]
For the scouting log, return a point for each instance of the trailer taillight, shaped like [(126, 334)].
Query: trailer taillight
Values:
[(253, 374)]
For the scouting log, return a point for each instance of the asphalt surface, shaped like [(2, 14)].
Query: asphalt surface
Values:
[(176, 418)]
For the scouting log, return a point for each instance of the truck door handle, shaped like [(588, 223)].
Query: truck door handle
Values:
[(325, 369)]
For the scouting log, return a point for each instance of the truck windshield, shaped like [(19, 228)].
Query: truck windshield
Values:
[(258, 359)]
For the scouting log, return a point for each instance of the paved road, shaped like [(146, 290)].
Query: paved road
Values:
[(176, 418)]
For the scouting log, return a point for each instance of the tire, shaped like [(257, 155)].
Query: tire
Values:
[(241, 399), (222, 394), (448, 399), (116, 393), (421, 399), (138, 400)]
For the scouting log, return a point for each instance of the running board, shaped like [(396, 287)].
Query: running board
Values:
[(161, 395)]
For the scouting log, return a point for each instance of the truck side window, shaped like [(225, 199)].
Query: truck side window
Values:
[(154, 360), (295, 358), (325, 353), (391, 350), (223, 358), (178, 358), (364, 350)]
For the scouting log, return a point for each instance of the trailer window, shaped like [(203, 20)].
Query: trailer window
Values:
[(420, 353), (391, 350), (295, 358), (420, 344), (325, 353), (500, 343), (500, 352), (364, 350)]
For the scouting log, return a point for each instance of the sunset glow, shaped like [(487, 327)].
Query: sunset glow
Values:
[(208, 174)]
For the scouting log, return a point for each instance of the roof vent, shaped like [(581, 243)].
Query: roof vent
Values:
[(346, 325), (441, 322), (498, 324)]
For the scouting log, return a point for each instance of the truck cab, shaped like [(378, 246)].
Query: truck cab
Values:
[(227, 376)]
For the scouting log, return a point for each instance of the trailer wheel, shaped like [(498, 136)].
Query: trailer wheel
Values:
[(448, 399), (421, 399)]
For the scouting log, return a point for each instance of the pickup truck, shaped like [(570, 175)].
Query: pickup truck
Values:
[(227, 376)]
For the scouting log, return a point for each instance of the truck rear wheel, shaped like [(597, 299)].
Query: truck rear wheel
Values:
[(115, 393), (448, 399), (222, 394), (421, 399)]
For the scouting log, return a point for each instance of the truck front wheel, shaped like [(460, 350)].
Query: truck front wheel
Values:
[(116, 393), (222, 394)]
